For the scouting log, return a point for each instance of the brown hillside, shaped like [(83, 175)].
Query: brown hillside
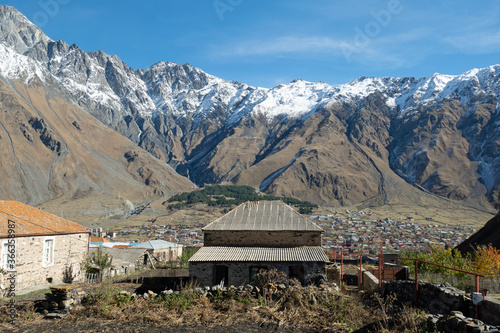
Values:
[(52, 149), (489, 234)]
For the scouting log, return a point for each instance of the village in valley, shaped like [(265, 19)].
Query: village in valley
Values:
[(234, 254), (340, 228)]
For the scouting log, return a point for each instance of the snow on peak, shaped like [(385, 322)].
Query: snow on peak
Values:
[(182, 90), (293, 99), (423, 91), (16, 66)]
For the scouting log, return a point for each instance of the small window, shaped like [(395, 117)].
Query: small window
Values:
[(48, 251)]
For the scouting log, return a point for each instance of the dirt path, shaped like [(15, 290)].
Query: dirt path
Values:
[(55, 326)]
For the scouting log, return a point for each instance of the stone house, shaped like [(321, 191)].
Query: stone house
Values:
[(45, 247), (162, 251), (255, 236), (125, 260)]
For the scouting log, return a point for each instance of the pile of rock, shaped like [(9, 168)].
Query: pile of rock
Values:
[(456, 322), (60, 300), (252, 290), (147, 295)]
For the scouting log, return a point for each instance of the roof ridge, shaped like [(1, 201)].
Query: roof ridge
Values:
[(266, 215)]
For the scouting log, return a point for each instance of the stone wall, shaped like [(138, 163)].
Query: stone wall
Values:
[(262, 238), (370, 282), (239, 272), (456, 322), (33, 274), (436, 298), (490, 310)]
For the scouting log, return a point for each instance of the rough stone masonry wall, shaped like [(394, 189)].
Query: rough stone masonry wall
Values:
[(262, 238), (60, 300), (435, 298), (69, 250), (239, 272)]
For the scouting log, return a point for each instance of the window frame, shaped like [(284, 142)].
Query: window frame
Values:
[(48, 240)]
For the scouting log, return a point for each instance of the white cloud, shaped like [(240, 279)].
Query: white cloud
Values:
[(282, 46), (476, 42)]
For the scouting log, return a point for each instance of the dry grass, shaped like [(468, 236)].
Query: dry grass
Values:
[(108, 212), (291, 308), (454, 213)]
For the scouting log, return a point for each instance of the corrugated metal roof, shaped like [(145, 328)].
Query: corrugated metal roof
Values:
[(33, 221), (156, 244), (216, 253), (263, 216), (122, 257)]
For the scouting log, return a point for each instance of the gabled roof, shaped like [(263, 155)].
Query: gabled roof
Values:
[(122, 257), (31, 221), (156, 244), (259, 254), (263, 216)]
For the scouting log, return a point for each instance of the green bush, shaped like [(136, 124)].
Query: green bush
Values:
[(187, 253), (440, 256)]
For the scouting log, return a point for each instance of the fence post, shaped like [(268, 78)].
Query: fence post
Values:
[(341, 266), (380, 263), (360, 272), (416, 283), (477, 290)]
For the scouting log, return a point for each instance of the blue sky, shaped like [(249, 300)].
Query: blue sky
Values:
[(265, 43)]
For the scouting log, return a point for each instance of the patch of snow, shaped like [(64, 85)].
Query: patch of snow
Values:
[(16, 66), (391, 102)]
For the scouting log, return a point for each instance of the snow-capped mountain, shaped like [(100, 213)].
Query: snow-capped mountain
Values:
[(364, 140)]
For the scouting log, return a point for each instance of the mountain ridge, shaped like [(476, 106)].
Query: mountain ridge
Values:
[(434, 133)]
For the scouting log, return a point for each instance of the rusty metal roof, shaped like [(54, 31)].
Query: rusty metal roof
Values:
[(263, 216), (216, 253), (31, 221), (98, 240)]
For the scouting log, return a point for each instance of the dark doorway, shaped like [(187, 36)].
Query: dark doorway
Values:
[(221, 274), (296, 272), (254, 270)]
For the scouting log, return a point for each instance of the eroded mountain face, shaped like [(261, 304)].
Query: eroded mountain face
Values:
[(374, 140)]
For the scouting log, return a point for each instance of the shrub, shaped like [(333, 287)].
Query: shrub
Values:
[(97, 260), (187, 253), (486, 260), (441, 256)]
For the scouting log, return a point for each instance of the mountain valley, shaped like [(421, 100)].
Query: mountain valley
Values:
[(85, 127)]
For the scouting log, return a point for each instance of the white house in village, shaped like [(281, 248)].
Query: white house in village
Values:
[(162, 251), (46, 246)]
